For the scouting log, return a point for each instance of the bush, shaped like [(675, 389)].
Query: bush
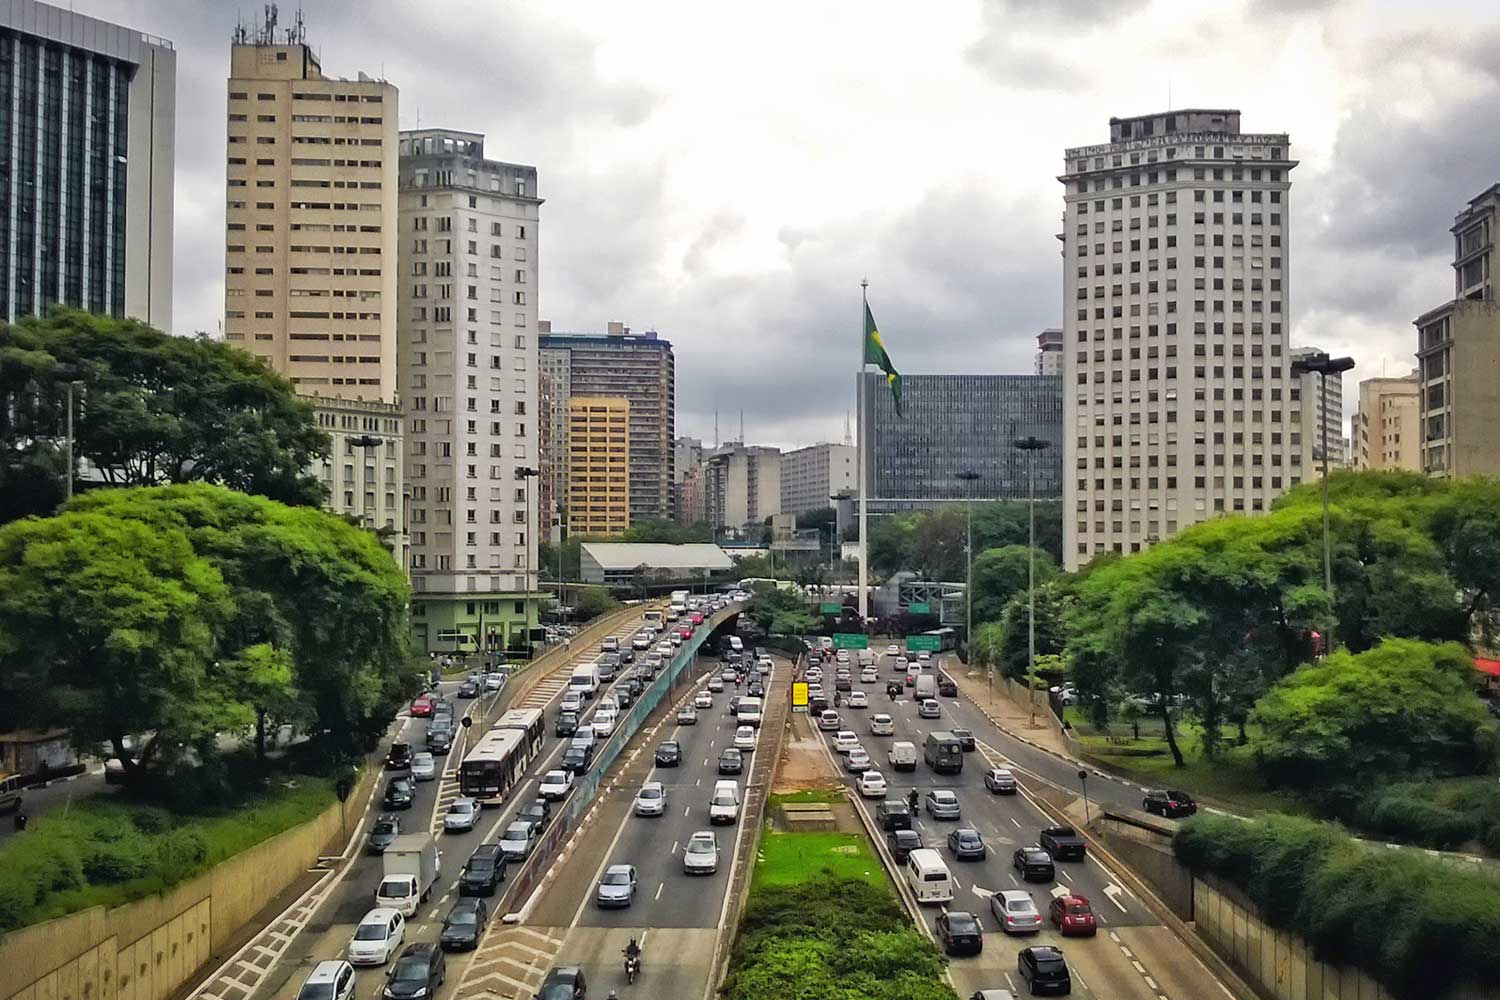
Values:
[(1385, 912), (1401, 812)]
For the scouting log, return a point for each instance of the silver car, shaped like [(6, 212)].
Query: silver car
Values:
[(701, 855), (651, 800), (1016, 911), (942, 804), (518, 838), (423, 766), (617, 887)]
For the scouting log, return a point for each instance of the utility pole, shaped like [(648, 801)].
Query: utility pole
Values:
[(1030, 445), (968, 476), (526, 474), (1321, 364)]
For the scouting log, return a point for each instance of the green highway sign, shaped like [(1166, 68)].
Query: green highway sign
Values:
[(850, 640), (924, 643), (832, 609), (919, 608)]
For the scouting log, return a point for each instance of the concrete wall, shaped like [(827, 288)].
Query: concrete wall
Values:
[(1150, 856)]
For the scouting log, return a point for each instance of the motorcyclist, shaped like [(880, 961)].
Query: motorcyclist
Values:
[(913, 800), (632, 951), (838, 699)]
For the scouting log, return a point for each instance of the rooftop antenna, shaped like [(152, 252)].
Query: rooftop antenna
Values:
[(742, 427), (716, 430), (848, 436), (297, 33)]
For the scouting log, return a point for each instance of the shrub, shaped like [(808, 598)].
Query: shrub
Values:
[(1401, 812)]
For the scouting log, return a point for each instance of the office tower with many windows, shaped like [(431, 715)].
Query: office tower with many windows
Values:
[(468, 232), (310, 254), (598, 465), (809, 476), (87, 114), (1179, 400), (741, 487)]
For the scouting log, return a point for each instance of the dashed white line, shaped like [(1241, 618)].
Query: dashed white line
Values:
[(659, 888)]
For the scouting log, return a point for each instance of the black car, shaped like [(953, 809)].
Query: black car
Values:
[(622, 694), (565, 982), (960, 933), (757, 689), (439, 741), (893, 814), (1034, 863), (668, 754), (967, 845), (1063, 843), (539, 811), (1169, 802), (1043, 968), (399, 794), (965, 739), (948, 688), (567, 724), (575, 760), (902, 843), (817, 705), (419, 971), (731, 761), (384, 830), (842, 683), (464, 925), (483, 872), (468, 689), (399, 759)]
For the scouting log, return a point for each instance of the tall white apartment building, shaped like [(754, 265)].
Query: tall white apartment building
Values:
[(1318, 412), (468, 373), (811, 475), (1179, 403)]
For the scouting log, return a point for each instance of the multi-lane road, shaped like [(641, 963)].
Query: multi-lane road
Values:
[(1132, 957)]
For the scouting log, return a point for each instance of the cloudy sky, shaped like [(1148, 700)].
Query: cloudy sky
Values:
[(726, 174)]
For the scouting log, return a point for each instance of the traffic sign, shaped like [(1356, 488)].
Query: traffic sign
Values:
[(924, 643), (919, 608), (832, 609), (799, 696), (850, 640)]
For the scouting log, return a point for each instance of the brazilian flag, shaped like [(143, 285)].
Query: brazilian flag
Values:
[(875, 355)]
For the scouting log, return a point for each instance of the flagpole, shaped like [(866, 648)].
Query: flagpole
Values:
[(861, 467)]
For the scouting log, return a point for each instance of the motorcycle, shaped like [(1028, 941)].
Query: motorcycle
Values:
[(632, 968)]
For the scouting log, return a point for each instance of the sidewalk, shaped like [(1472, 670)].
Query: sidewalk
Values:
[(1012, 716)]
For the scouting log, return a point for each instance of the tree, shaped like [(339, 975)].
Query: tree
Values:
[(1000, 574), (151, 408), (666, 532), (1004, 522), (936, 550), (824, 519), (1052, 601), (1401, 709), (890, 541), (592, 602)]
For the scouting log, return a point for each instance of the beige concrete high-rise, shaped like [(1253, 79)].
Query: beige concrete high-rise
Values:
[(598, 465), (310, 261), (1316, 411), (1386, 432)]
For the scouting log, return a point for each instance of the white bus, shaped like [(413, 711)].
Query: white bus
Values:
[(454, 641), (526, 720), (495, 764)]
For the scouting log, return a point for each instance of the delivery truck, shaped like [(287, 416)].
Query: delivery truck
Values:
[(412, 865), (926, 687)]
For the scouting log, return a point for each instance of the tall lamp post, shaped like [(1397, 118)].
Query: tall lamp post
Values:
[(69, 374), (366, 442), (526, 473), (968, 476), (1323, 366), (1031, 445)]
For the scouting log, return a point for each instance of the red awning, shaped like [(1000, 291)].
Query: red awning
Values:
[(1491, 667)]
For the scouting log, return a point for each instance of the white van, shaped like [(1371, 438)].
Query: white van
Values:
[(724, 806), (748, 711), (928, 876), (902, 756), (735, 644), (585, 679)]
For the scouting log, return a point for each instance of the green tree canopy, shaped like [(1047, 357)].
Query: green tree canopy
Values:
[(1000, 574), (1400, 709), (150, 409), (1011, 635)]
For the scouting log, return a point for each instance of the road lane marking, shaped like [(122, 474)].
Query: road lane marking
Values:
[(659, 888)]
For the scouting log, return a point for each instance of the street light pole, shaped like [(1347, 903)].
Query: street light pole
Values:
[(526, 474), (1323, 366), (365, 442), (1031, 445), (968, 476), (69, 493)]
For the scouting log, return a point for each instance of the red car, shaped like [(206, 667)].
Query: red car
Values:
[(1072, 916), (686, 632), (422, 705), (697, 618)]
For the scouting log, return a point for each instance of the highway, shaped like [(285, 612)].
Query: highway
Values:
[(1132, 957)]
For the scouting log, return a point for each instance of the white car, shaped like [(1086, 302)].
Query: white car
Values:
[(893, 650), (845, 740), (608, 704), (665, 649), (676, 638), (869, 675), (329, 980), (651, 800), (555, 785), (858, 699), (603, 724), (571, 702), (924, 658), (377, 937), (871, 785), (882, 724), (814, 675), (1016, 912), (701, 855), (929, 709), (423, 766), (705, 699), (744, 739), (715, 685), (842, 656), (765, 665), (462, 815), (857, 760)]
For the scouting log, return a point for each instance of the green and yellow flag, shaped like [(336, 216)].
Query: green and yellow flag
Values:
[(875, 355)]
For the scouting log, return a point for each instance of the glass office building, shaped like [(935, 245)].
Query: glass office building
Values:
[(956, 423)]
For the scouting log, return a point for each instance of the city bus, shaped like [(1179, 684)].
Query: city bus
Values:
[(495, 764), (524, 720), (454, 641)]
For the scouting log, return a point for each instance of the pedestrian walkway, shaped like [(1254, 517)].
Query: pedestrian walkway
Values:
[(1010, 715)]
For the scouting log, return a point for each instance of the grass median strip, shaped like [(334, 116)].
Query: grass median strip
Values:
[(794, 858)]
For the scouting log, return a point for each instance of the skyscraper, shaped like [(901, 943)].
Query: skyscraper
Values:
[(468, 231), (310, 282), (1049, 346), (598, 465), (809, 476), (741, 486), (1179, 400), (87, 119)]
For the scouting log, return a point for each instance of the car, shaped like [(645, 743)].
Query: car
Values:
[(856, 760), (464, 925), (625, 692), (868, 675), (604, 723), (399, 757), (483, 872), (462, 814), (902, 843), (731, 761), (377, 936), (421, 706), (967, 845), (571, 702), (399, 794), (715, 686), (575, 760), (893, 814), (701, 855), (423, 766), (893, 650), (642, 640), (664, 650), (1063, 843), (928, 708), (744, 739), (829, 721), (677, 638), (705, 699), (942, 804), (1073, 916), (440, 740), (814, 675), (564, 982), (668, 753), (616, 887), (419, 971), (857, 699), (494, 680), (871, 784), (384, 830), (555, 785), (994, 994), (882, 724), (539, 811), (566, 725), (1016, 912), (1034, 864), (468, 689), (329, 980), (965, 739), (960, 933), (584, 739), (1044, 970), (651, 800), (756, 689), (845, 740), (843, 683), (518, 839), (1000, 781), (687, 716), (1169, 803)]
